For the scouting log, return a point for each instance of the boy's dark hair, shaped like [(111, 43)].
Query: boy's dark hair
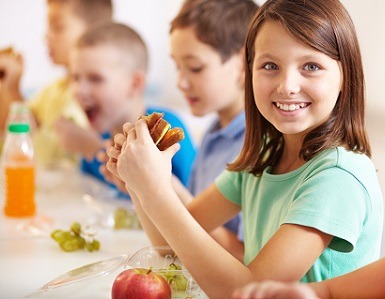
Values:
[(325, 26), (92, 12), (222, 24), (123, 38)]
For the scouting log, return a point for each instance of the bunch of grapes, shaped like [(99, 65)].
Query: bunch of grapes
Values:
[(124, 218), (177, 281), (75, 239)]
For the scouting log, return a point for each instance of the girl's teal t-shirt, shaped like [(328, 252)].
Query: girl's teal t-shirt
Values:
[(336, 192)]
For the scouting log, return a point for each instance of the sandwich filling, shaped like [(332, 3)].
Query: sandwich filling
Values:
[(161, 132)]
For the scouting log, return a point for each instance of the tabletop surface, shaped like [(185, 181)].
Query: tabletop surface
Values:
[(29, 258)]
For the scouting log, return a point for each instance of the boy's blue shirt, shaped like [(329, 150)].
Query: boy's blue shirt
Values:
[(219, 147), (181, 162)]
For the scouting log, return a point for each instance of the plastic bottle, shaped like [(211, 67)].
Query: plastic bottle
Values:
[(18, 113), (19, 171)]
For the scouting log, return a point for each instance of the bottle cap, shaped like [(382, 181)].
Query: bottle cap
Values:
[(18, 128)]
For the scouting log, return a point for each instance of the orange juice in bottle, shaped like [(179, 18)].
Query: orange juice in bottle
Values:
[(19, 172)]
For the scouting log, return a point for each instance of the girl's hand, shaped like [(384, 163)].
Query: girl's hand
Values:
[(140, 164), (110, 171), (109, 176), (113, 152), (274, 290)]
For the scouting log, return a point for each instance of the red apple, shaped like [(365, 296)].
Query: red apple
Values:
[(140, 283)]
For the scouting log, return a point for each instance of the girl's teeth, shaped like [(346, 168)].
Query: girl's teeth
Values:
[(290, 107)]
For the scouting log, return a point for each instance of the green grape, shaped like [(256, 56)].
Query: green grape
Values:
[(177, 281), (89, 246), (174, 266), (96, 244), (60, 235), (81, 241), (120, 213), (121, 219), (181, 282), (166, 275), (70, 245), (92, 246), (76, 228), (56, 234), (124, 218)]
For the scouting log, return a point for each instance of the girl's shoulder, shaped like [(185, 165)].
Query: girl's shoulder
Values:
[(346, 163), (339, 159), (344, 159)]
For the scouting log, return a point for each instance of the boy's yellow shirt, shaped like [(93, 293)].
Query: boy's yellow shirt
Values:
[(51, 103), (54, 101)]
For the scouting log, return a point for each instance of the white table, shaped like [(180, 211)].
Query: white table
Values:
[(29, 259)]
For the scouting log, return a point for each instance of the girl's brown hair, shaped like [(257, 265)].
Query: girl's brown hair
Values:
[(222, 24), (325, 26)]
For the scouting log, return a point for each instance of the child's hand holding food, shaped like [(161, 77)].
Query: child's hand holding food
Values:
[(137, 160)]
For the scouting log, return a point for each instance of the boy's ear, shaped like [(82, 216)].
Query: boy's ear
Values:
[(137, 83)]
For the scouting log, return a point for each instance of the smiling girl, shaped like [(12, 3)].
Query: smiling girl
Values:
[(309, 195)]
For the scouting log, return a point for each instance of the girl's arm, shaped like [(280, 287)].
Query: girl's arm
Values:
[(152, 232), (112, 175), (147, 172), (182, 192), (227, 239), (218, 272), (275, 290), (366, 283)]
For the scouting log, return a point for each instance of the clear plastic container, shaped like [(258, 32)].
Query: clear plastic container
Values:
[(96, 280), (163, 260)]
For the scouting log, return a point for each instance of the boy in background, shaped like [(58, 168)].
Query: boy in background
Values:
[(207, 45), (67, 21), (108, 67)]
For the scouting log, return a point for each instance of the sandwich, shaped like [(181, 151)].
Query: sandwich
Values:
[(161, 132)]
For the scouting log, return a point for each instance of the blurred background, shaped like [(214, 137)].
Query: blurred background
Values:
[(23, 23)]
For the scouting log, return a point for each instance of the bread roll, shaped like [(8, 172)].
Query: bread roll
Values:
[(161, 132)]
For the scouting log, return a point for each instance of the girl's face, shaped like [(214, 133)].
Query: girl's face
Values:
[(295, 87), (207, 83), (101, 84)]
